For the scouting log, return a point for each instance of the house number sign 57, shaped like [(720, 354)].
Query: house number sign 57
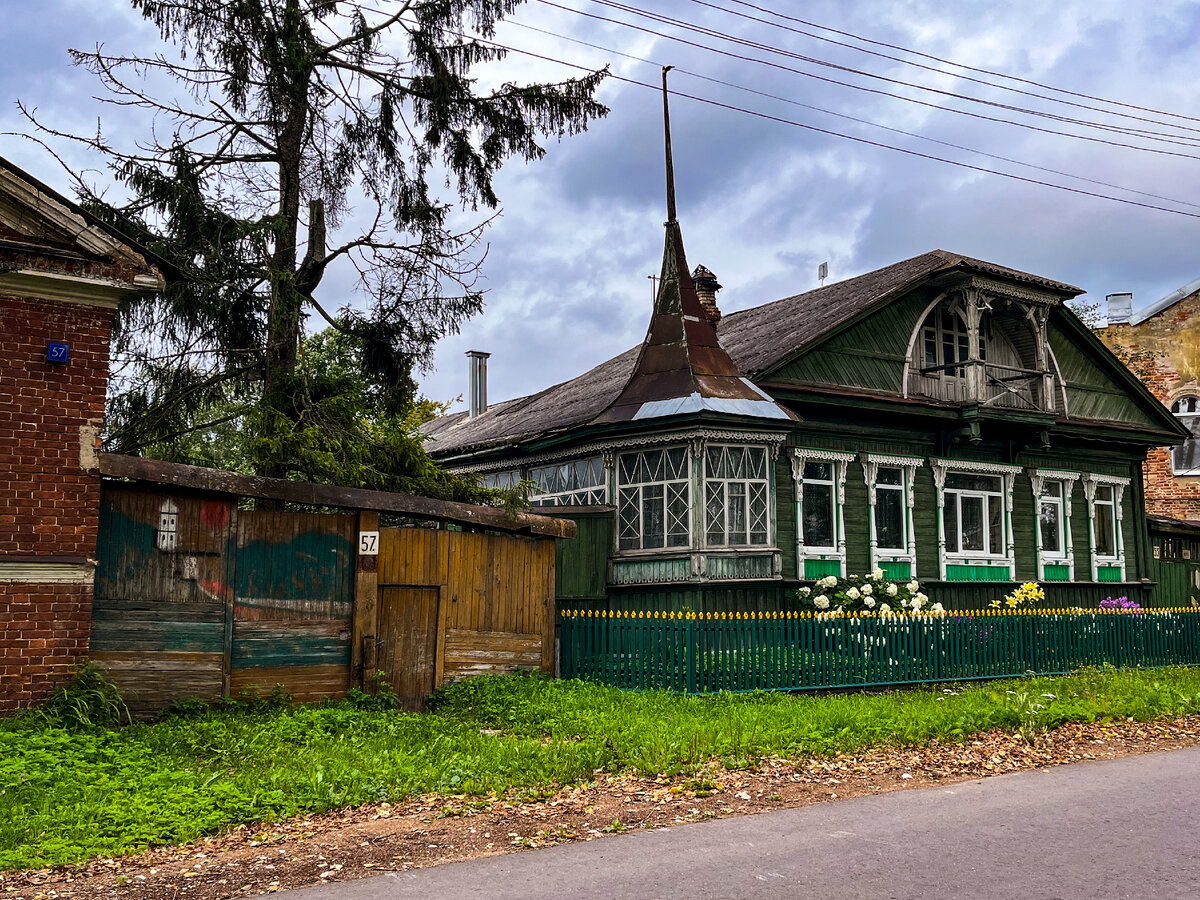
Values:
[(368, 543)]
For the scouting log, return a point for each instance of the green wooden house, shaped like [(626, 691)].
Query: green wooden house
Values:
[(942, 417)]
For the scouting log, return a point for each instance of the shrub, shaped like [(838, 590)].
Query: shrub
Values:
[(88, 700), (866, 593)]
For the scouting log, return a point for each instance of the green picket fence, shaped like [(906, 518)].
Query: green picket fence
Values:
[(708, 652)]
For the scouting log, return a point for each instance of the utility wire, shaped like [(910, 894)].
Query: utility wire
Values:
[(849, 137), (950, 62), (936, 69), (663, 19), (868, 90), (851, 118)]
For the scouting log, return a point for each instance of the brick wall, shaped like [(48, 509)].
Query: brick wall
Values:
[(1164, 351), (44, 630), (50, 416)]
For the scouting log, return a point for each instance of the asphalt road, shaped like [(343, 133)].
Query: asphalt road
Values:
[(1119, 828)]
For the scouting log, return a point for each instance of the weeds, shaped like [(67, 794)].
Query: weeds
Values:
[(71, 789)]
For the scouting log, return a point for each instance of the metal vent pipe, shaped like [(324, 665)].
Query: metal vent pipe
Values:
[(477, 401)]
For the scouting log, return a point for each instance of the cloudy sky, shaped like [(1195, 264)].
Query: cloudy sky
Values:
[(762, 202)]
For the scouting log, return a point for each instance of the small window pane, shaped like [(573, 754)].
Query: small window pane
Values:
[(1105, 530), (715, 511), (967, 481), (736, 507), (653, 526), (1051, 513), (677, 463), (995, 525), (972, 524), (888, 475), (756, 461), (889, 519), (818, 471), (950, 524), (817, 516)]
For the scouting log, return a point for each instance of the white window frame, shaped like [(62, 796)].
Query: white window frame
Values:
[(1007, 474), (1187, 418), (1091, 481), (839, 461), (580, 495), (872, 463), (687, 480), (1038, 478), (765, 481)]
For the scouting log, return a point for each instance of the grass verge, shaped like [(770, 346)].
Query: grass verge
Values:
[(69, 791)]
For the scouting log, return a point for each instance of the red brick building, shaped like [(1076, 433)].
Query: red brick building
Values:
[(1161, 343), (62, 274)]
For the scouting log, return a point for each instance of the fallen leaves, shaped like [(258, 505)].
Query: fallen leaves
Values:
[(425, 831)]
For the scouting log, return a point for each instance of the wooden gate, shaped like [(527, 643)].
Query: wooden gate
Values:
[(485, 602), (407, 641)]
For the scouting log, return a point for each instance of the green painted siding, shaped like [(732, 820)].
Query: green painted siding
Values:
[(977, 573), (1056, 573), (581, 565), (858, 538), (785, 507), (1092, 393), (870, 354), (819, 568)]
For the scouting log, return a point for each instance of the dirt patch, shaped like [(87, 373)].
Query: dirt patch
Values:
[(427, 831)]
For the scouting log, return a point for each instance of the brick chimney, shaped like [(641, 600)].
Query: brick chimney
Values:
[(706, 289)]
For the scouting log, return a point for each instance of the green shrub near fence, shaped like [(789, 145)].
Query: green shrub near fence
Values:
[(706, 652)]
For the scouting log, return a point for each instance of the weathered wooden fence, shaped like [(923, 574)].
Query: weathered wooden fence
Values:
[(197, 597), (709, 652)]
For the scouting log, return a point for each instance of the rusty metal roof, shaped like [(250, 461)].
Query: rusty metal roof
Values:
[(682, 367)]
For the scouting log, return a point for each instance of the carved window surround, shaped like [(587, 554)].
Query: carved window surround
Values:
[(836, 553), (1091, 482), (908, 465), (1007, 474), (1066, 555)]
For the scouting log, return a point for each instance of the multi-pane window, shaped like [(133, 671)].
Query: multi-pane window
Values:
[(1185, 458), (509, 478), (737, 511), (579, 482), (818, 509), (1052, 520), (974, 514), (945, 343), (1105, 522), (653, 499), (890, 509)]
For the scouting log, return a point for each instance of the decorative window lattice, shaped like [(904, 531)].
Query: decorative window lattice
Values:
[(579, 482), (737, 506), (653, 499)]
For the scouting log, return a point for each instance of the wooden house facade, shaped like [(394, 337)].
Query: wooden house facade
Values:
[(943, 418)]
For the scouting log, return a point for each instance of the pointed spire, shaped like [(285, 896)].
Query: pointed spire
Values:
[(682, 368), (667, 142)]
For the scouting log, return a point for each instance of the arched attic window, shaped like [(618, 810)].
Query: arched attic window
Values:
[(944, 343), (1185, 458)]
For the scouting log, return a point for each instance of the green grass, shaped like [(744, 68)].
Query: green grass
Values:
[(71, 792)]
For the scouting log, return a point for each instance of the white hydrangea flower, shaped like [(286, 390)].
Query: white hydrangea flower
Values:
[(869, 602), (877, 574), (805, 591), (916, 603), (891, 590), (912, 586), (853, 593), (821, 601), (921, 597), (829, 581), (938, 608), (867, 590)]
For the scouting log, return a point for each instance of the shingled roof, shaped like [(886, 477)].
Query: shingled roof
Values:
[(756, 339)]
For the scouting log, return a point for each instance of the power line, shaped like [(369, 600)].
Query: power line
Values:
[(868, 90), (851, 118), (950, 62), (849, 137), (663, 19), (935, 69)]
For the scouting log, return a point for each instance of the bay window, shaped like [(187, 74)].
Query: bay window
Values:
[(820, 479), (1052, 499), (975, 519), (653, 499), (578, 482), (736, 505)]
